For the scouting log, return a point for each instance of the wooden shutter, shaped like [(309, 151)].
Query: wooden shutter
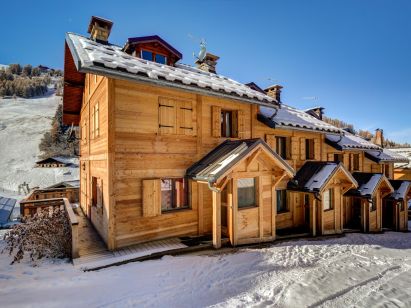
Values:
[(317, 149), (99, 192), (167, 116), (216, 121), (361, 162), (295, 147), (302, 149), (288, 148), (185, 118), (151, 198), (240, 124), (346, 159)]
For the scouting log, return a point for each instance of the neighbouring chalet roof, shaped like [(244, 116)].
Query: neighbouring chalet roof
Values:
[(6, 208), (217, 162), (51, 160), (386, 156), (314, 176), (401, 189), (65, 184), (348, 141), (289, 117), (83, 55), (367, 184), (406, 152)]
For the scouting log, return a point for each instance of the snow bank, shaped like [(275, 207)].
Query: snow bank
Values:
[(358, 270), (22, 125)]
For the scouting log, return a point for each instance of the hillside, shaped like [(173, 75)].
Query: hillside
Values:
[(23, 123)]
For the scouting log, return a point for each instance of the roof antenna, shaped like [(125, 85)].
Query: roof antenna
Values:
[(203, 50)]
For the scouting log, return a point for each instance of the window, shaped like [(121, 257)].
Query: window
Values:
[(174, 194), (328, 197), (373, 204), (387, 170), (228, 127), (338, 158), (151, 56), (282, 205), (147, 55), (161, 59), (356, 162), (246, 190), (281, 147), (309, 149)]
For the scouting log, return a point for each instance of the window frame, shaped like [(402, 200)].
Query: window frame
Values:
[(256, 193), (153, 56), (281, 141), (187, 206), (331, 197), (337, 157), (287, 208), (232, 125), (355, 162)]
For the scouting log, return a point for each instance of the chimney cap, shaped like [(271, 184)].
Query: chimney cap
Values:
[(208, 57), (273, 87), (100, 21)]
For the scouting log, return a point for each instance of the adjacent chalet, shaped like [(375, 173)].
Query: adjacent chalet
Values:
[(171, 150)]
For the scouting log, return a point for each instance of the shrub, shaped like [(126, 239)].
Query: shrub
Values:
[(45, 235)]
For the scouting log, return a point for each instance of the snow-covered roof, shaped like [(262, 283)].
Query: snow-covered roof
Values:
[(110, 60), (217, 162), (349, 141), (406, 152), (367, 184), (386, 155), (290, 117), (313, 176), (401, 189)]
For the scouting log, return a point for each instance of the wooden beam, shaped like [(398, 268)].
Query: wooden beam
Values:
[(252, 158), (200, 197), (216, 219), (313, 217), (260, 207), (277, 181), (235, 211)]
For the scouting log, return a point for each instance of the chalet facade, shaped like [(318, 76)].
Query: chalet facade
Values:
[(169, 150)]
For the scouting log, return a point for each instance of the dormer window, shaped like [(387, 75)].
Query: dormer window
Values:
[(152, 56)]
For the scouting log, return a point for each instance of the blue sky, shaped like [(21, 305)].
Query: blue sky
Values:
[(351, 57)]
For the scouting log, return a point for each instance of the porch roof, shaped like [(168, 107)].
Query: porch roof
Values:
[(367, 184), (386, 156), (314, 176), (401, 189), (226, 155), (348, 141)]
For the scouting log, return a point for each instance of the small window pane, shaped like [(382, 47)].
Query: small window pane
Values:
[(147, 55), (161, 59), (174, 194), (282, 201), (246, 192), (281, 147), (327, 200), (226, 124)]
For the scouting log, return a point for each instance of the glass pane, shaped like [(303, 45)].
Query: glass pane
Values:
[(147, 55), (281, 201), (246, 192), (161, 59), (166, 194)]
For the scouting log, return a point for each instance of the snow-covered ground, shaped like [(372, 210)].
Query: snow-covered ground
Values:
[(358, 270), (22, 125)]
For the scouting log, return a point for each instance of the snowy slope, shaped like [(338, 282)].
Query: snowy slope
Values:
[(358, 270), (22, 125)]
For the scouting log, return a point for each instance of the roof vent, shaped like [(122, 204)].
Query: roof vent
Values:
[(208, 64), (275, 92), (99, 29)]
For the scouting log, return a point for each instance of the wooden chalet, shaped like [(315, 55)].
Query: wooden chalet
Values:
[(171, 150), (50, 162)]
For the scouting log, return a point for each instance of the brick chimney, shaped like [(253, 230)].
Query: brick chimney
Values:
[(208, 64), (275, 92), (99, 29), (379, 137)]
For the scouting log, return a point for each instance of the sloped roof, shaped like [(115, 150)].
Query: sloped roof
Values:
[(212, 166), (349, 141), (109, 60), (386, 156), (154, 38), (314, 175), (290, 117), (51, 160), (367, 184), (401, 188), (406, 152)]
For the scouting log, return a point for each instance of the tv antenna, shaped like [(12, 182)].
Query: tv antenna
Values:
[(203, 50)]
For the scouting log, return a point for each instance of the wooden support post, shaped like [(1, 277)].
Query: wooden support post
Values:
[(364, 219), (230, 209), (235, 211), (216, 219), (314, 215), (260, 207), (200, 198)]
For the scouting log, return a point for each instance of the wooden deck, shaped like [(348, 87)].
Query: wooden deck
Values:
[(94, 254)]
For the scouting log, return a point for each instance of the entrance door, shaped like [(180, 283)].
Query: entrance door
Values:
[(388, 214), (307, 210), (224, 212), (355, 221)]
